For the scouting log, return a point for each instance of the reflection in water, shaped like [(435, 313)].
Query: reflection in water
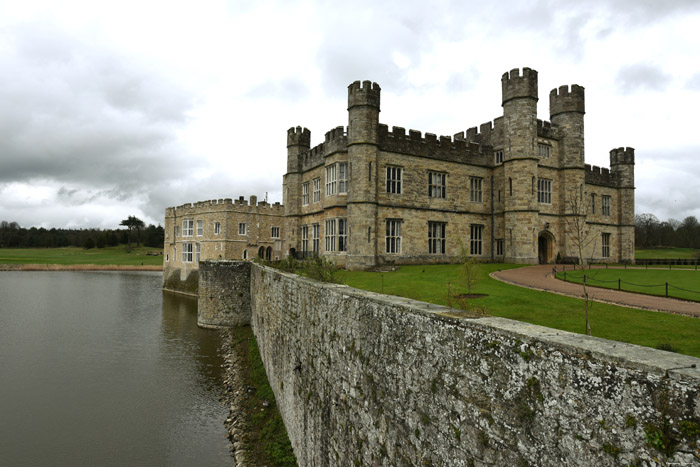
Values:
[(105, 369)]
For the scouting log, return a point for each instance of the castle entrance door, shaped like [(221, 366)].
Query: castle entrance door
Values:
[(545, 247)]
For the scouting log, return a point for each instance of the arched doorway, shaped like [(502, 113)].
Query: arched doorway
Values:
[(261, 252), (293, 252), (545, 247), (268, 253)]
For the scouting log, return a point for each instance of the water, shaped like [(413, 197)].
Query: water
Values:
[(103, 369)]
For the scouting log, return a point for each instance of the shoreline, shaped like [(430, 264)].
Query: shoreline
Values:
[(78, 267)]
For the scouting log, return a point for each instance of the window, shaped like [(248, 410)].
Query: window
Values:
[(499, 247), (343, 177), (330, 180), (200, 228), (436, 184), (275, 232), (475, 185), (510, 182), (605, 207), (305, 193), (217, 228), (393, 180), (198, 252), (241, 228), (187, 228), (592, 203), (477, 232), (499, 157), (436, 238), (177, 230), (544, 191), (167, 258), (543, 150), (317, 237), (342, 235), (606, 245), (330, 235), (245, 254), (393, 236), (317, 190), (186, 252), (304, 239)]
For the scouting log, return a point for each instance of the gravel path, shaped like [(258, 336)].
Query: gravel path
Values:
[(541, 278)]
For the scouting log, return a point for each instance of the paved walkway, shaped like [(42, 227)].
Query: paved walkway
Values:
[(541, 278)]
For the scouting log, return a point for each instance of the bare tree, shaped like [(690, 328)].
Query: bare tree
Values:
[(581, 235)]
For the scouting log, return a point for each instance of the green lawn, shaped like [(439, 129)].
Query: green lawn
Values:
[(684, 284), (667, 253), (73, 255), (429, 283)]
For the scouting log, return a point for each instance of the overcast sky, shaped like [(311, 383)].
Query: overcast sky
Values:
[(111, 109)]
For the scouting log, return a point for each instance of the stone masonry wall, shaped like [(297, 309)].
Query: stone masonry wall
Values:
[(366, 379), (224, 294)]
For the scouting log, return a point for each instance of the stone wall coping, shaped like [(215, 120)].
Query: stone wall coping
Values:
[(665, 364)]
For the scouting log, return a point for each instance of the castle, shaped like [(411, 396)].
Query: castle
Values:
[(509, 191)]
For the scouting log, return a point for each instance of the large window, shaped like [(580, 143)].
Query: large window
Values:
[(331, 180), (475, 189), (305, 193), (330, 235), (275, 232), (187, 250), (342, 235), (187, 228), (393, 236), (477, 232), (436, 184), (544, 191), (606, 245), (304, 239), (241, 228), (343, 177), (316, 237), (200, 228), (317, 190), (605, 205), (393, 180), (436, 238)]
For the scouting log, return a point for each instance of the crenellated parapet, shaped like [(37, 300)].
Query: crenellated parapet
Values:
[(365, 93), (442, 148), (515, 84), (622, 156), (595, 175), (546, 129), (299, 137), (567, 99), (223, 205)]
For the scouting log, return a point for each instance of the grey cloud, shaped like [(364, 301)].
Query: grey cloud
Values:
[(289, 89), (694, 82), (641, 76)]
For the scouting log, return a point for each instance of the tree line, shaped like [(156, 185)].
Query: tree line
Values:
[(649, 232), (12, 235)]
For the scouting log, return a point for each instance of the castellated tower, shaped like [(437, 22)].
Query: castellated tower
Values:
[(519, 92), (622, 167), (567, 107), (363, 153), (298, 142)]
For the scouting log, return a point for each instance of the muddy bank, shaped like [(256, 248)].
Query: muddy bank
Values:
[(76, 267)]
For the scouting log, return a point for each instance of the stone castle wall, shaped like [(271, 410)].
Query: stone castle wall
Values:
[(366, 379)]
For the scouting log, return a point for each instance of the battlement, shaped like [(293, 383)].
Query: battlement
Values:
[(442, 148), (516, 85), (595, 175), (227, 204), (546, 129), (298, 137), (621, 156), (564, 99), (365, 93)]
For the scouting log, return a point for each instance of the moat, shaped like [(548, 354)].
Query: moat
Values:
[(103, 368)]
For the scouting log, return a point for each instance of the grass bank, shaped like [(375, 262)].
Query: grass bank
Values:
[(80, 258), (683, 284), (430, 284), (666, 253)]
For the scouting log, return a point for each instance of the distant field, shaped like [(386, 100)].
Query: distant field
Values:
[(429, 284), (682, 284), (72, 255), (664, 253)]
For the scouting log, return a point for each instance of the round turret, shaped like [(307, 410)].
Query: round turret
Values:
[(366, 93), (298, 142), (514, 85), (563, 100)]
